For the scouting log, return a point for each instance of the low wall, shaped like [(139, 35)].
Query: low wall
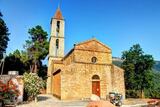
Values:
[(17, 80)]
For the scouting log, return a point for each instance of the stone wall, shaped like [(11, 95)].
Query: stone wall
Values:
[(86, 56), (49, 75), (57, 66), (93, 45), (76, 81), (17, 80), (118, 80), (68, 59), (84, 51)]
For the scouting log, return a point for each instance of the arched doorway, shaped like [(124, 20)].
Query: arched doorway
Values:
[(96, 85)]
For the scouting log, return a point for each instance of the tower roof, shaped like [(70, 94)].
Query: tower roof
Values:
[(58, 14)]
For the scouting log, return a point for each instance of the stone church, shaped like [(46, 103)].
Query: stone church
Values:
[(85, 70)]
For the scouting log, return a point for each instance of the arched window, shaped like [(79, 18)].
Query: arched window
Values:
[(58, 25), (95, 77), (57, 28), (57, 43)]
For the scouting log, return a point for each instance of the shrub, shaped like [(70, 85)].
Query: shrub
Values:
[(32, 84), (132, 94), (152, 93), (9, 92)]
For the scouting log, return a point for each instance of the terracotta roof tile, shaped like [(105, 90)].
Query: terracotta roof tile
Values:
[(58, 14)]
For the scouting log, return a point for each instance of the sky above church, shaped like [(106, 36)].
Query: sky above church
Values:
[(117, 23)]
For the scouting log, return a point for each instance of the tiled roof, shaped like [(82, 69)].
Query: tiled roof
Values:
[(58, 14), (93, 45)]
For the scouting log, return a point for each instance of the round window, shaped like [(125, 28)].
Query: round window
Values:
[(94, 59)]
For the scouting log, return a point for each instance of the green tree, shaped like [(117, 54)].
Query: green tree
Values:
[(153, 92), (37, 47), (3, 36), (138, 69), (14, 62)]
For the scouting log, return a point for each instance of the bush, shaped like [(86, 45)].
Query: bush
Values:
[(153, 93), (32, 84), (9, 92), (149, 93), (132, 94)]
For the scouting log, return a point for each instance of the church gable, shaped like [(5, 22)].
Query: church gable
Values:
[(92, 45)]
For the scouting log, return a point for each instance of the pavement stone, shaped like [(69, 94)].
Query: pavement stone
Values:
[(51, 101)]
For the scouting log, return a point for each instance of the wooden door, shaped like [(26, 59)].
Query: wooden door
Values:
[(96, 88)]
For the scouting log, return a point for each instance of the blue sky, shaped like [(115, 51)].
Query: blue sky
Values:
[(117, 23)]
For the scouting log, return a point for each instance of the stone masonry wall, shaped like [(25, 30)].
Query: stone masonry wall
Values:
[(86, 56), (68, 60), (49, 74), (76, 81), (118, 80)]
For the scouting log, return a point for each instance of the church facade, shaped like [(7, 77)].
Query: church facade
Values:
[(87, 69)]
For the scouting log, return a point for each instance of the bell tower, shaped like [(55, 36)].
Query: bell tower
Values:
[(56, 45)]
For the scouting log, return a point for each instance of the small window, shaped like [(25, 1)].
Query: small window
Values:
[(57, 29), (57, 43), (94, 59), (58, 25)]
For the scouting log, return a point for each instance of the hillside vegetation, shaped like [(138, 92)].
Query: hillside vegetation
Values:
[(153, 92), (156, 66), (117, 61)]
